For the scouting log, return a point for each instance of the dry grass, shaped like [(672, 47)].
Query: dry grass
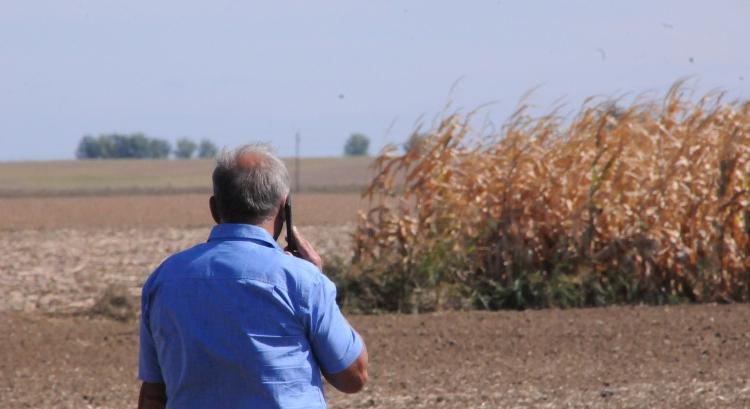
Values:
[(646, 203)]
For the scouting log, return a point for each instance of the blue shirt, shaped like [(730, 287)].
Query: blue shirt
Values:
[(237, 323)]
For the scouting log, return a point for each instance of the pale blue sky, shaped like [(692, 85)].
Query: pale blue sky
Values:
[(238, 71)]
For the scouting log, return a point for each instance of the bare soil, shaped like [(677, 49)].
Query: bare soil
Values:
[(62, 254), (620, 357)]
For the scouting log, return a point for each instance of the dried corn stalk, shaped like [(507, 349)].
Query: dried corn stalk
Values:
[(621, 205)]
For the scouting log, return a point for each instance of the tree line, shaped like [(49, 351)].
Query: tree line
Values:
[(140, 146)]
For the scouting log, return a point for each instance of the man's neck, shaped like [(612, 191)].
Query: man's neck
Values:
[(267, 225)]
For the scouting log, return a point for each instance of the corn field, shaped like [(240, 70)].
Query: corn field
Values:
[(644, 203)]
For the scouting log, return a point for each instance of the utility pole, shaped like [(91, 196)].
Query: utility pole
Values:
[(296, 162)]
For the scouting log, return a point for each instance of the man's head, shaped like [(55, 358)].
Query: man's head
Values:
[(250, 186)]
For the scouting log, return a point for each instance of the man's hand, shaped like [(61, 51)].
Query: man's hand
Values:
[(305, 249)]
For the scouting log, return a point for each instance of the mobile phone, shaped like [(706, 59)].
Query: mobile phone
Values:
[(289, 233)]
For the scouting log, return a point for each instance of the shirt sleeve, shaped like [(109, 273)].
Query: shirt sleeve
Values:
[(148, 363), (335, 343)]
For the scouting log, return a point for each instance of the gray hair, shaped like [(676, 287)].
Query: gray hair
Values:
[(249, 192)]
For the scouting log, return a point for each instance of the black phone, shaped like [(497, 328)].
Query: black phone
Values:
[(289, 233)]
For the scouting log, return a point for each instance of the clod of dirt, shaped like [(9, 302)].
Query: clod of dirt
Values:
[(116, 303)]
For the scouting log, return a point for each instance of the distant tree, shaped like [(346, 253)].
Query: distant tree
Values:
[(185, 148), (89, 148), (133, 146), (415, 141), (106, 146), (159, 148), (115, 145), (356, 145), (207, 149)]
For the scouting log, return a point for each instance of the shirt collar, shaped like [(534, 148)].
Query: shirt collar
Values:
[(232, 231)]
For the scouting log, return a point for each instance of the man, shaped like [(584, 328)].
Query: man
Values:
[(237, 322)]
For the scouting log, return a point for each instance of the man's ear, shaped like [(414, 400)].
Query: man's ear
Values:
[(214, 209)]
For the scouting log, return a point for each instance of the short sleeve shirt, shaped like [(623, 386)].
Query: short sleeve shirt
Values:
[(237, 323)]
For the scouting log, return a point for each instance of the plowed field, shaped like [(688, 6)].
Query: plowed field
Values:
[(683, 357), (60, 254)]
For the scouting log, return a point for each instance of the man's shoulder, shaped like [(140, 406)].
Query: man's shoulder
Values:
[(174, 262), (302, 272), (185, 256), (274, 265)]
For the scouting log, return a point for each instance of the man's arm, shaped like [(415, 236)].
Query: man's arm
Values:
[(353, 378), (153, 396), (153, 393)]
